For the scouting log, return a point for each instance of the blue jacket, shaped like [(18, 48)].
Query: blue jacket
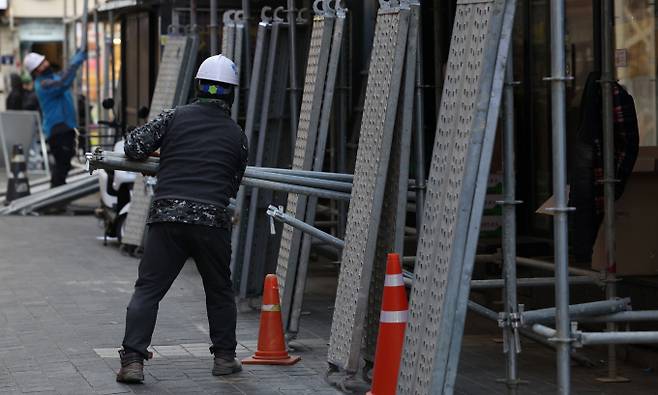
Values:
[(53, 91)]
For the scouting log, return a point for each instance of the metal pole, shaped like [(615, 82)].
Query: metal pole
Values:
[(107, 26), (193, 23), (577, 310), (246, 9), (509, 231), (280, 215), (213, 28), (97, 44), (84, 45), (529, 282), (594, 338), (558, 103), (110, 17), (607, 78), (65, 44), (294, 88), (420, 130), (492, 315)]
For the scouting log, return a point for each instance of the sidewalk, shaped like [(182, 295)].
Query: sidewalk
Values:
[(63, 297), (62, 308)]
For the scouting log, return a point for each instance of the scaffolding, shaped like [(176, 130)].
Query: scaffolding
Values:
[(479, 80)]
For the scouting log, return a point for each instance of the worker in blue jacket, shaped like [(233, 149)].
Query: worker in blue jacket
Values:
[(59, 115)]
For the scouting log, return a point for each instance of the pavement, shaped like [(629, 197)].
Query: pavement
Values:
[(62, 308)]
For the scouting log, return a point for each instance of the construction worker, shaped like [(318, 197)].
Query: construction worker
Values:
[(59, 116), (203, 156)]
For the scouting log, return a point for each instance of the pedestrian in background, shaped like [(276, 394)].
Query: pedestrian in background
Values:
[(15, 98), (203, 156), (30, 99), (59, 117)]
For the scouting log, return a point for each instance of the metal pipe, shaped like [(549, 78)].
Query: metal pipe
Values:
[(294, 87), (607, 78), (558, 103), (302, 190), (623, 316), (576, 310), (420, 130), (97, 41), (597, 338), (306, 181), (544, 331), (213, 27), (280, 215), (539, 264), (107, 26), (246, 10), (309, 173), (65, 44), (509, 229), (193, 19), (492, 315), (529, 282)]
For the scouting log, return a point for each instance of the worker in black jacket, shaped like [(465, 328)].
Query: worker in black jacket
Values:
[(203, 156)]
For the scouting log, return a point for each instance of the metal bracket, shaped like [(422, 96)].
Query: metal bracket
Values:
[(277, 17), (265, 14), (303, 16), (513, 83), (228, 17)]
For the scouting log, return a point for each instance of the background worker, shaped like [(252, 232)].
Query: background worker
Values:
[(59, 117), (203, 156)]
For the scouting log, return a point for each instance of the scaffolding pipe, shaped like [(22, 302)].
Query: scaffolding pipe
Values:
[(490, 314), (598, 338), (109, 45), (419, 141), (281, 216), (65, 44), (302, 190), (213, 29), (193, 19), (97, 53), (529, 282), (623, 316), (294, 87), (246, 10), (544, 331), (577, 310), (539, 264), (607, 80), (558, 103), (509, 229)]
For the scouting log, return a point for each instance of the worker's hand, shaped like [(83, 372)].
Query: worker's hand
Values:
[(79, 56)]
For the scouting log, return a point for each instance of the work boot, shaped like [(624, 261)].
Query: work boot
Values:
[(132, 367), (225, 365)]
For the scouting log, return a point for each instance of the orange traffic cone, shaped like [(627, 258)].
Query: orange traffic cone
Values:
[(392, 323), (271, 346)]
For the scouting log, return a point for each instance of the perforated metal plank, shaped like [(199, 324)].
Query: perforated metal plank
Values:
[(164, 97), (391, 228), (380, 110), (442, 273), (309, 117), (318, 163)]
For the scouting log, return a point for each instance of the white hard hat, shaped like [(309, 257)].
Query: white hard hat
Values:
[(32, 61), (219, 68)]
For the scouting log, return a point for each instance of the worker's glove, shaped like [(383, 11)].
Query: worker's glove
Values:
[(79, 57)]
